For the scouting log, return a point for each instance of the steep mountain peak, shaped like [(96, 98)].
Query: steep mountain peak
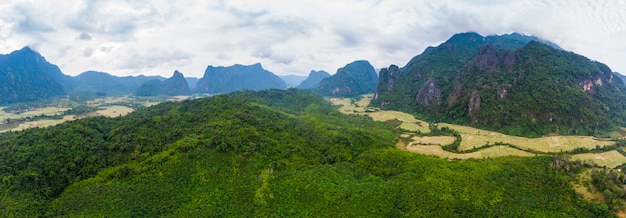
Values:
[(25, 76), (178, 74), (464, 37), (25, 54), (26, 49)]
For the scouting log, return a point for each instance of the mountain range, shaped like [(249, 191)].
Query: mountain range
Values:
[(91, 83), (291, 153), (175, 85), (511, 83), (25, 75)]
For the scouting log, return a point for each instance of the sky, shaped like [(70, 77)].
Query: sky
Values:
[(290, 37)]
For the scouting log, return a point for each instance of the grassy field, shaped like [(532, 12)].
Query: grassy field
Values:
[(495, 151), (409, 122), (432, 140), (587, 194), (114, 111), (41, 123), (110, 107), (609, 158), (476, 138), (48, 111)]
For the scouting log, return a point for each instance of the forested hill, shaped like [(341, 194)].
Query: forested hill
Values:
[(354, 79), (509, 84), (271, 153)]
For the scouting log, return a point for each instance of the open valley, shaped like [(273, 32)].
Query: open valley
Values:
[(477, 143)]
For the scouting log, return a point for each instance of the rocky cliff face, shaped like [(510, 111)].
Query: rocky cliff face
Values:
[(354, 79), (474, 104), (238, 77), (429, 94)]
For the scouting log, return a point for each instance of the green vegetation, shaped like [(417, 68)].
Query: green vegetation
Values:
[(265, 154)]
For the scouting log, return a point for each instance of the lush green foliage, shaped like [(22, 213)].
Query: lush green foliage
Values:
[(271, 153)]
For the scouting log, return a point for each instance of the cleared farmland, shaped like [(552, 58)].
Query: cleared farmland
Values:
[(609, 158), (350, 106), (47, 111), (476, 138), (495, 151), (485, 141)]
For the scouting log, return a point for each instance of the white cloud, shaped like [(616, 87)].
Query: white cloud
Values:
[(155, 37)]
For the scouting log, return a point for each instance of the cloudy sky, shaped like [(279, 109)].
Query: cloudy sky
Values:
[(156, 37)]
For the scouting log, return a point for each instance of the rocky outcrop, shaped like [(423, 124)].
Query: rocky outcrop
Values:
[(386, 80), (501, 93), (429, 94), (489, 60), (457, 88), (474, 103)]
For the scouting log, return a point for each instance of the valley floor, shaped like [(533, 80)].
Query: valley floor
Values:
[(63, 110), (477, 143)]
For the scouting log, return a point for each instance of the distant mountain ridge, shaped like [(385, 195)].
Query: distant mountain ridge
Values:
[(503, 84), (101, 83), (313, 80), (238, 77), (292, 80), (175, 85), (354, 79)]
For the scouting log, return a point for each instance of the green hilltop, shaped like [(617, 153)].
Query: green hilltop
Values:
[(354, 79), (275, 153)]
